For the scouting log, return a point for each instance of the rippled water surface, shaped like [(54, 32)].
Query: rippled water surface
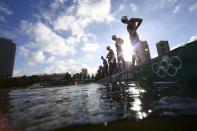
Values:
[(57, 107)]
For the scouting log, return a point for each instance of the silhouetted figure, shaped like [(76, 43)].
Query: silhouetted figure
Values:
[(111, 60), (132, 26), (118, 43), (99, 73), (105, 67)]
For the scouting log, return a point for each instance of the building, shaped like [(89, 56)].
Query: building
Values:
[(7, 56), (144, 52), (84, 73), (162, 47)]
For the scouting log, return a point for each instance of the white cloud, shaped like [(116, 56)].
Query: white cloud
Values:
[(5, 10), (2, 19), (61, 19), (70, 23), (57, 67), (120, 8), (176, 9), (18, 72), (193, 7), (33, 58), (91, 70), (90, 47), (133, 7), (88, 56), (23, 51), (125, 7), (55, 5), (178, 45), (60, 1), (71, 61), (193, 38), (46, 40), (98, 11), (82, 13), (36, 57), (166, 3), (51, 59), (60, 66)]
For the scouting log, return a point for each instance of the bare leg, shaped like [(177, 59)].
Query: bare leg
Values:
[(133, 60)]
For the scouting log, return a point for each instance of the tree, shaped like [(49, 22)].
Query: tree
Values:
[(67, 76)]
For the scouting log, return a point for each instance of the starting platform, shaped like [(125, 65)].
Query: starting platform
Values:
[(123, 76)]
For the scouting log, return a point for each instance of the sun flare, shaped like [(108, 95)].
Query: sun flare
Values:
[(127, 49)]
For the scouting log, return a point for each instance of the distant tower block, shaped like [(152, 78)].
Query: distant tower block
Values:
[(144, 52), (7, 57), (84, 73), (162, 47)]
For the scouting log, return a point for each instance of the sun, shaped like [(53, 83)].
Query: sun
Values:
[(127, 49)]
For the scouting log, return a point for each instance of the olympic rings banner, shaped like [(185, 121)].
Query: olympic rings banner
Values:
[(179, 64), (167, 66)]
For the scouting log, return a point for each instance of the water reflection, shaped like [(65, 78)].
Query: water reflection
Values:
[(136, 105), (52, 108)]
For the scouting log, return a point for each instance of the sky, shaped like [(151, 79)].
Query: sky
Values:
[(58, 36)]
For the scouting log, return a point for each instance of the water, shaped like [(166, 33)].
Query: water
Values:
[(59, 107)]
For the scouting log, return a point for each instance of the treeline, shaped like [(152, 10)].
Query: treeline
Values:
[(18, 82), (45, 80)]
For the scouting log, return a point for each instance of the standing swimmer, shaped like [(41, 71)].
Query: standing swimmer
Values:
[(118, 43), (105, 67), (132, 26), (111, 61)]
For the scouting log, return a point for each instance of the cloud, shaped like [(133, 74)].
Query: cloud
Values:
[(193, 7), (125, 7), (57, 67), (71, 24), (36, 57), (88, 56), (46, 40), (133, 7), (167, 3), (60, 1), (120, 8), (5, 10), (193, 38), (2, 19), (33, 58), (93, 10), (60, 28), (56, 3), (51, 59), (18, 72), (91, 70), (178, 45), (176, 9), (90, 47), (60, 66), (82, 13)]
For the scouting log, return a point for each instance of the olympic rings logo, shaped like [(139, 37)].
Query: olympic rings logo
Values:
[(167, 66)]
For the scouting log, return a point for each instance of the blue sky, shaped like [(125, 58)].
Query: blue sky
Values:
[(57, 36)]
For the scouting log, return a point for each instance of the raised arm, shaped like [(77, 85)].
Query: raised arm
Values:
[(138, 21)]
